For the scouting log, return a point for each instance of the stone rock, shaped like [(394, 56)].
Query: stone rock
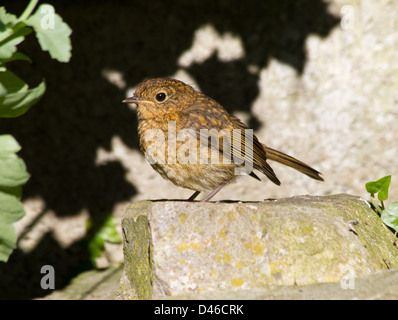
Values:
[(380, 285), (174, 248)]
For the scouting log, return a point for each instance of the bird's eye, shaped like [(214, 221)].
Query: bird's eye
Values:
[(160, 97)]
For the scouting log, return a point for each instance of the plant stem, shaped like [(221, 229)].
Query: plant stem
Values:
[(10, 32), (377, 207), (28, 10)]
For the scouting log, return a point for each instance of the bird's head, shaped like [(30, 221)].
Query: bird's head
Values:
[(161, 96)]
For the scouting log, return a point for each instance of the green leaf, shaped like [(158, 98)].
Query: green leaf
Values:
[(10, 38), (15, 97), (12, 175), (11, 210), (95, 247), (52, 32), (16, 56), (6, 18), (106, 233), (14, 191), (12, 168), (390, 216), (8, 144), (9, 83), (12, 171), (8, 240), (379, 186), (6, 22)]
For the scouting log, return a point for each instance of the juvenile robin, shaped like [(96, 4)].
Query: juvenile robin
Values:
[(191, 140)]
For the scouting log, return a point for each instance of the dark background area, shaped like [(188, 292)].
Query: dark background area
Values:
[(81, 111)]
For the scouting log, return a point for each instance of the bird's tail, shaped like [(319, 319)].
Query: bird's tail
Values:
[(292, 162)]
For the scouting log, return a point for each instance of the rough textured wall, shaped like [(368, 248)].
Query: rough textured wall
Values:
[(309, 87)]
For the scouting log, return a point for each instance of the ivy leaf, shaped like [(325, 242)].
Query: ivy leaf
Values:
[(379, 186), (390, 216), (106, 233), (10, 82), (52, 32), (13, 174), (12, 168), (12, 171), (15, 97), (11, 210), (16, 56), (8, 144), (6, 18), (12, 37)]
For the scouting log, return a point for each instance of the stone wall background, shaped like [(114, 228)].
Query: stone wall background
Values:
[(312, 85)]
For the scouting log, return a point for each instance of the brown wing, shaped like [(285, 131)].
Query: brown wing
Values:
[(255, 148), (244, 145)]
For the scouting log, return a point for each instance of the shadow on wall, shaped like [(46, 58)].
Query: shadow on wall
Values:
[(81, 110)]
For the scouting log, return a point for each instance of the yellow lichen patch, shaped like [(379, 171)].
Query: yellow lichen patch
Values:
[(181, 261), (231, 216), (275, 267), (227, 257), (183, 218), (223, 257), (194, 245), (239, 265), (237, 282), (213, 272), (258, 248), (330, 278), (182, 247), (223, 234)]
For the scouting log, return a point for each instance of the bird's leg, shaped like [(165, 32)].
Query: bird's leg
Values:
[(192, 198), (212, 194)]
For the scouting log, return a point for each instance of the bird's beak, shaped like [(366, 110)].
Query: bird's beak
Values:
[(132, 99)]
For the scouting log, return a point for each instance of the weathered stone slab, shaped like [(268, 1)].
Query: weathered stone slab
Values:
[(379, 285), (176, 247)]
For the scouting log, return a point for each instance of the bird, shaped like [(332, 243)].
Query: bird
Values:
[(192, 141)]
